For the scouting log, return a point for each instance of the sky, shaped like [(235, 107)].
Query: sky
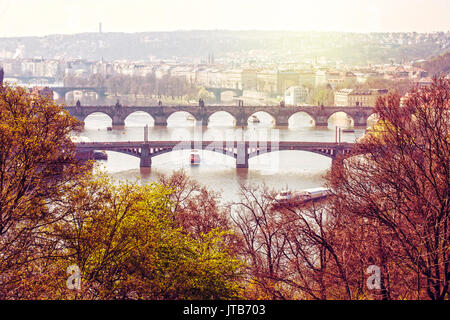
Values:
[(44, 17)]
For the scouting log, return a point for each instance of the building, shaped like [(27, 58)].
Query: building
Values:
[(267, 81), (287, 79), (321, 78), (295, 96), (424, 82), (306, 78), (249, 79), (333, 78), (358, 97), (232, 79)]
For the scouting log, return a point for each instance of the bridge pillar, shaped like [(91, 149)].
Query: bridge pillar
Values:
[(360, 122), (119, 125), (242, 155), (321, 122), (218, 95), (61, 94), (146, 160), (337, 158), (101, 96), (160, 121), (281, 121), (201, 122), (118, 122), (241, 122)]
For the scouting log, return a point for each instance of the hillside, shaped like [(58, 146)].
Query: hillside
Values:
[(439, 65), (350, 48)]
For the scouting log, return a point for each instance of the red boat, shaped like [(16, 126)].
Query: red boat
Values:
[(195, 157)]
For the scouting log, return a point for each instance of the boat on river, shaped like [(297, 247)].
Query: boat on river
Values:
[(290, 198), (195, 158), (254, 119)]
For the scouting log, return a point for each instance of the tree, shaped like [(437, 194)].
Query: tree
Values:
[(400, 183), (36, 165), (127, 245), (321, 95), (263, 245), (194, 207), (294, 251), (204, 94), (437, 66)]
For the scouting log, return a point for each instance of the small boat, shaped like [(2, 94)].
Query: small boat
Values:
[(195, 157), (109, 128), (348, 130), (254, 119), (190, 118)]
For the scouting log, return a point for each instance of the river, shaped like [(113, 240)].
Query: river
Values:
[(278, 170)]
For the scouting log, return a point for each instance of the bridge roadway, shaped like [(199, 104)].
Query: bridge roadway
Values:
[(241, 114), (242, 151)]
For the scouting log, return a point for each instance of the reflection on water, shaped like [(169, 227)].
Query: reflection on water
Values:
[(293, 169)]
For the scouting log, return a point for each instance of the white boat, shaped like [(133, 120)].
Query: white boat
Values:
[(288, 197), (316, 193), (190, 118), (254, 119)]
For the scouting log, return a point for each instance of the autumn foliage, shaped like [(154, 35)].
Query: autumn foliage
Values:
[(175, 239)]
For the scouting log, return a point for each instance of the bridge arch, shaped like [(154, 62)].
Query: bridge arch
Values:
[(263, 116), (301, 119), (139, 119), (227, 95), (181, 118), (221, 118), (97, 119), (340, 119), (81, 97)]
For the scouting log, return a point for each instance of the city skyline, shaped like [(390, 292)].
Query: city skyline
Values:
[(68, 17)]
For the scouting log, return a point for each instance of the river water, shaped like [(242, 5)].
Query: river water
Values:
[(295, 170)]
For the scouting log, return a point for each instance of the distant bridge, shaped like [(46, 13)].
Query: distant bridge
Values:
[(62, 91), (241, 114), (218, 91), (242, 151), (28, 79)]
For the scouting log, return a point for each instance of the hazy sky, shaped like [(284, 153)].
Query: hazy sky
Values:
[(42, 17)]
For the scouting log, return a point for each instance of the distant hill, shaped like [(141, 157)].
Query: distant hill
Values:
[(350, 48), (437, 66)]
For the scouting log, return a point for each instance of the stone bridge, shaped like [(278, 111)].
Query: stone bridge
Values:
[(218, 91), (30, 79), (241, 114), (242, 151), (62, 91)]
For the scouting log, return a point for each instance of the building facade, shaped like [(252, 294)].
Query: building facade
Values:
[(357, 97), (295, 96)]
